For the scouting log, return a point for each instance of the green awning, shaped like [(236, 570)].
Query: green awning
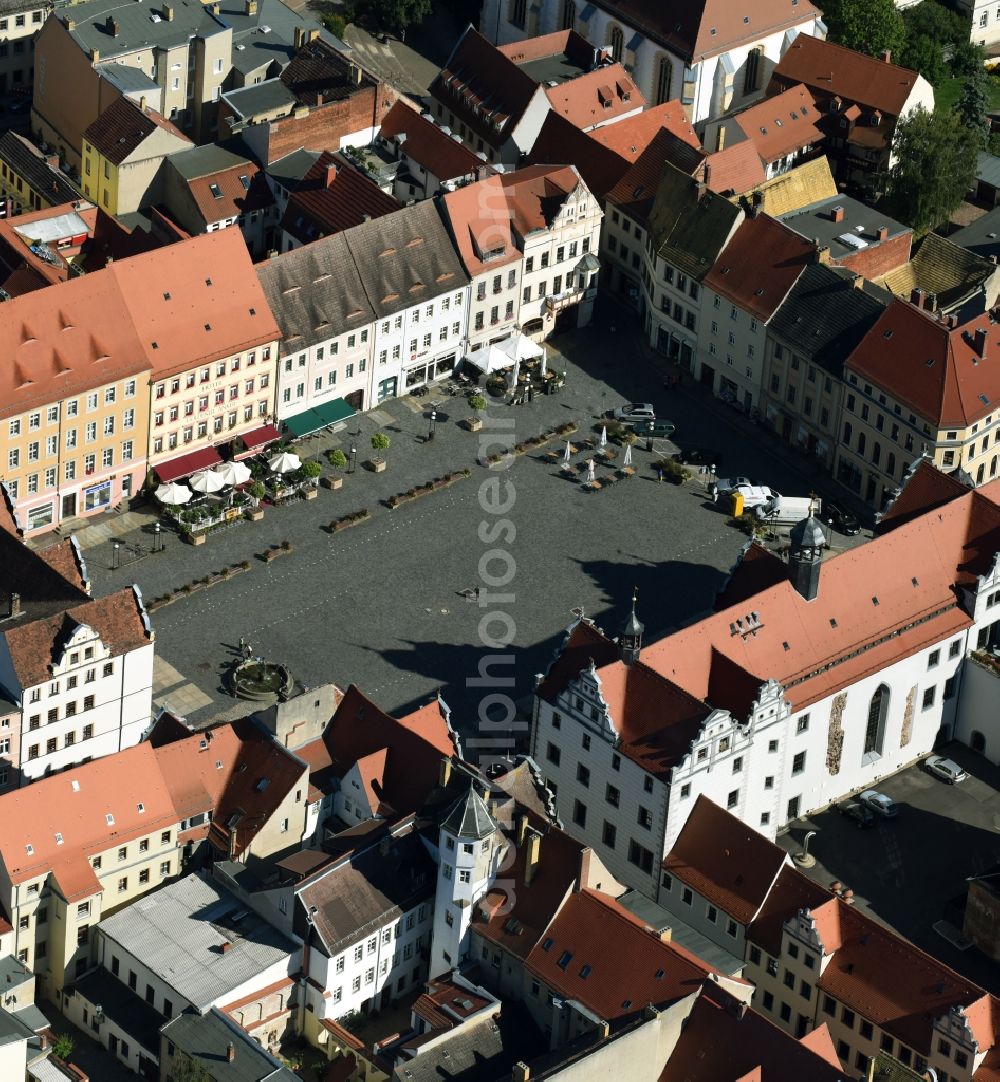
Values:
[(304, 423), (333, 411)]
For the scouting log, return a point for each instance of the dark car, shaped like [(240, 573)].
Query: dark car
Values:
[(840, 518), (860, 814), (699, 456)]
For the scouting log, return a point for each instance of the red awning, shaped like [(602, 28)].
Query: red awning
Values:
[(187, 464), (257, 438)]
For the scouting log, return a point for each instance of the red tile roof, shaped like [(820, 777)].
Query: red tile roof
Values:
[(939, 372), (757, 568), (831, 70), (924, 489), (782, 124), (629, 137), (736, 170), (722, 1040), (599, 954), (241, 190), (35, 646), (596, 97), (887, 980), (414, 746), (559, 141), (371, 769), (759, 265), (635, 191), (198, 299), (437, 153), (479, 221), (123, 127), (536, 193), (725, 861), (514, 914), (791, 892), (331, 197)]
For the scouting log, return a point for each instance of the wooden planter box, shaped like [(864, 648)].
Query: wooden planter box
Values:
[(332, 482), (376, 465), (473, 424), (255, 514), (311, 493), (196, 538)]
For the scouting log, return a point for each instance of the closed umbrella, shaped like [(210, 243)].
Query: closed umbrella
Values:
[(627, 460), (603, 442), (568, 452), (591, 475), (286, 462), (233, 473), (206, 481), (173, 494)]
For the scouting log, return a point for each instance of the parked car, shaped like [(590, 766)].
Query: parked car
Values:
[(786, 510), (699, 456), (725, 485), (840, 518), (880, 803), (661, 429), (945, 769), (636, 413), (861, 814)]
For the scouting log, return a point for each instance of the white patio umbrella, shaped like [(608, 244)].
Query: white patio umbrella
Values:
[(591, 475), (206, 481), (286, 462), (603, 442), (627, 460), (173, 494), (233, 473), (568, 452)]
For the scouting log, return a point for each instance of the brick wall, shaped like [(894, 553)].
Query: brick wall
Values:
[(323, 127), (878, 259)]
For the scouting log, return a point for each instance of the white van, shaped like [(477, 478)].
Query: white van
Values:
[(787, 510)]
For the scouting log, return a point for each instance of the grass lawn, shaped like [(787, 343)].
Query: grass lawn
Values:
[(948, 93)]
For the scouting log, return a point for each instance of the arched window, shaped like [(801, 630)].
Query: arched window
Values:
[(518, 10), (878, 708), (993, 467), (664, 77), (876, 452), (890, 465), (753, 70), (617, 44), (977, 741), (981, 473), (569, 15)]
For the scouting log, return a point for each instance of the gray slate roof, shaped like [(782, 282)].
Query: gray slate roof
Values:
[(470, 818), (374, 887), (981, 236), (313, 289), (988, 169), (128, 79), (177, 933), (824, 316), (27, 162), (136, 30), (268, 35), (405, 257), (206, 1038), (201, 161), (690, 227), (859, 220), (289, 170), (124, 1007), (248, 101)]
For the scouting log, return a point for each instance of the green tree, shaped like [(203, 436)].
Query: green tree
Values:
[(380, 444), (869, 26), (973, 104), (311, 468), (62, 1047), (185, 1069), (935, 165), (397, 15), (925, 55), (337, 459), (477, 402)]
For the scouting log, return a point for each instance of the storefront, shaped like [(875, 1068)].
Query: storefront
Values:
[(426, 371)]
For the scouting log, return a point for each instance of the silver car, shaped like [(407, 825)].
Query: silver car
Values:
[(879, 803), (945, 769), (636, 413)]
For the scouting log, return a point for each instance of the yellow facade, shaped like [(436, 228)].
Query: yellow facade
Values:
[(76, 455), (100, 179)]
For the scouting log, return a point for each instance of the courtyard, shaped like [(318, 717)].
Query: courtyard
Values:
[(383, 605)]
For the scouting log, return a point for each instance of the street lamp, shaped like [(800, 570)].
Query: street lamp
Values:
[(711, 472), (434, 416), (157, 539), (116, 555), (354, 458), (649, 437)]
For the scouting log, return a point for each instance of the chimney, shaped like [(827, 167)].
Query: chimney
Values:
[(111, 25), (168, 12), (330, 175), (917, 297), (95, 55), (887, 56), (720, 138), (663, 937), (882, 233), (142, 103), (52, 161), (300, 36), (521, 1072), (225, 947), (522, 829), (838, 214), (708, 175), (71, 24), (251, 7), (979, 342), (823, 255), (444, 775), (14, 605), (859, 281), (531, 860), (230, 1052)]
